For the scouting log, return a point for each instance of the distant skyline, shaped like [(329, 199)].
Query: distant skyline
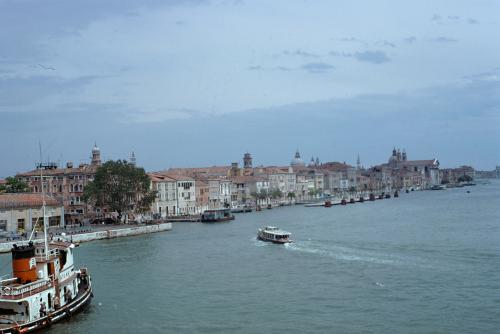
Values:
[(196, 83)]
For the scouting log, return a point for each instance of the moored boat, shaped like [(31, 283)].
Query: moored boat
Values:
[(274, 235), (45, 288), (216, 215)]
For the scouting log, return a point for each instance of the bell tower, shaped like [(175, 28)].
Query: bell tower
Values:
[(247, 160), (96, 156)]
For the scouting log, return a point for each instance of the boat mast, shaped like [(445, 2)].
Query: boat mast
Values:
[(43, 207)]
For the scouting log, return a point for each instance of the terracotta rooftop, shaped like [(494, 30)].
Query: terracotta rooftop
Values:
[(25, 200), (169, 177), (335, 166), (60, 171), (208, 171)]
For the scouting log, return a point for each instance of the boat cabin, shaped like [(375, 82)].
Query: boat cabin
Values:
[(216, 215), (274, 234)]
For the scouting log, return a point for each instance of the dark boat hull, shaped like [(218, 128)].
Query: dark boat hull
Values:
[(65, 312), (218, 220)]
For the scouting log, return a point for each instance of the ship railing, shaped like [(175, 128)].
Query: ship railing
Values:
[(26, 289), (52, 253)]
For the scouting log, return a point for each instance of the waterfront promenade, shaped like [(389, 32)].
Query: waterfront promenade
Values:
[(87, 233)]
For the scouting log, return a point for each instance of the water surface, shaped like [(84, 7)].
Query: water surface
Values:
[(427, 262)]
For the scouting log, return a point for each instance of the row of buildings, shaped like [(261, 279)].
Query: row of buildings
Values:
[(188, 191)]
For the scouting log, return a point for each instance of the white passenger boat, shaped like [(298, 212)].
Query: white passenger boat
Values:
[(273, 234)]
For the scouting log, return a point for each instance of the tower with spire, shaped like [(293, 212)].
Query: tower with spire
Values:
[(96, 156), (132, 159), (358, 163)]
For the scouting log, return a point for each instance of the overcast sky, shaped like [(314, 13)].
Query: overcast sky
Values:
[(186, 83)]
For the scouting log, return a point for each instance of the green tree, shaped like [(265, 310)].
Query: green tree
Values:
[(290, 195), (276, 193), (13, 185), (120, 187)]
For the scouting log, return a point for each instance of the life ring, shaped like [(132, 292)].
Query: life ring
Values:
[(6, 290)]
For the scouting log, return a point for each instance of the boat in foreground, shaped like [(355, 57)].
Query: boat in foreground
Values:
[(273, 234), (45, 287)]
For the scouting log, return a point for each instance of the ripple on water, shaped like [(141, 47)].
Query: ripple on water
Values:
[(346, 253)]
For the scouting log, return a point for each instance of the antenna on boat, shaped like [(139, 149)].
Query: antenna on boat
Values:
[(43, 207)]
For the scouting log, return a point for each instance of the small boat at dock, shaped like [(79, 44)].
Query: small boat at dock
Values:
[(274, 235), (216, 216)]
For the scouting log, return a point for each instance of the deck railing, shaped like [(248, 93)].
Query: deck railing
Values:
[(25, 289)]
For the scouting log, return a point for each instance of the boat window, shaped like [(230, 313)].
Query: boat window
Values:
[(7, 311)]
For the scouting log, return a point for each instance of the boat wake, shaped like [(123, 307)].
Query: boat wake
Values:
[(353, 254)]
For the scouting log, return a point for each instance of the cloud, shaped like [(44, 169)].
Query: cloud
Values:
[(300, 53), (444, 39), (319, 67), (384, 43), (255, 68), (493, 75), (350, 40), (160, 115), (410, 39), (452, 19), (375, 57), (272, 68), (19, 91)]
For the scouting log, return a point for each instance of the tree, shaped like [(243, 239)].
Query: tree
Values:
[(312, 192), (276, 193), (290, 195), (120, 187), (13, 185)]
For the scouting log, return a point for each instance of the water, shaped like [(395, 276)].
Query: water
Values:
[(427, 262)]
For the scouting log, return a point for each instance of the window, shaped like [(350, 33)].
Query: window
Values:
[(20, 224), (3, 225), (54, 221)]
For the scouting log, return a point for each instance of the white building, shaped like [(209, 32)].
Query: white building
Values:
[(176, 194), (219, 195)]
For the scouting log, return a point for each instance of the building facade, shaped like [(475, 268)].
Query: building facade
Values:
[(20, 213)]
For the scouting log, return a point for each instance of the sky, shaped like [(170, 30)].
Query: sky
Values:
[(199, 83)]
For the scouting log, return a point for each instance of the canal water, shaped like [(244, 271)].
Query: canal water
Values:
[(426, 262)]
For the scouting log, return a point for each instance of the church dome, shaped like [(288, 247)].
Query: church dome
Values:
[(297, 161)]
